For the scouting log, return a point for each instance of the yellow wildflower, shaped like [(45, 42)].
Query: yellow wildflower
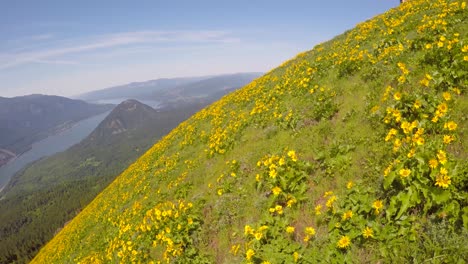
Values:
[(388, 169), (344, 242), (281, 162), (377, 205), (401, 79), (397, 96), (417, 104), (443, 181), (465, 49), (273, 173), (235, 249), (330, 201), (258, 177), (310, 231), (249, 254), (279, 209), (318, 209), (443, 108), (442, 156), (420, 141), (396, 145), (406, 126), (291, 202), (420, 131), (248, 230), (292, 155), (404, 172), (296, 256), (443, 171), (447, 96), (448, 139), (390, 134), (258, 235), (368, 232), (349, 185), (276, 190), (450, 125), (424, 82), (290, 229), (411, 153), (433, 163), (347, 215)]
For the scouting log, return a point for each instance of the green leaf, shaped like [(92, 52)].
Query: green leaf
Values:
[(465, 217), (388, 180), (391, 210), (405, 199), (453, 208), (440, 196)]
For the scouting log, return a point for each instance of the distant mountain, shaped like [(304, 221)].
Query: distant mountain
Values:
[(204, 88), (173, 90), (137, 89), (45, 195), (27, 119), (128, 115)]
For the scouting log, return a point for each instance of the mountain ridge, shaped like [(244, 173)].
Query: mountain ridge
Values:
[(154, 89), (129, 114)]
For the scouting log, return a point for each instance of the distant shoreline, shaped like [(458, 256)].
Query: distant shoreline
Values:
[(10, 156)]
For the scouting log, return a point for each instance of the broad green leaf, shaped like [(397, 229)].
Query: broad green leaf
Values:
[(440, 196), (405, 200), (388, 180)]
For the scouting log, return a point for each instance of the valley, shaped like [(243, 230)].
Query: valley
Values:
[(62, 173)]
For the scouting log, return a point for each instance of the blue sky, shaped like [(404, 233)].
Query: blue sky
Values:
[(70, 47)]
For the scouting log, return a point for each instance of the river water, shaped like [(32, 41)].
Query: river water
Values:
[(51, 145), (116, 101)]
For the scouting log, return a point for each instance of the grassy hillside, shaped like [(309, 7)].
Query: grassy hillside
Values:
[(354, 151)]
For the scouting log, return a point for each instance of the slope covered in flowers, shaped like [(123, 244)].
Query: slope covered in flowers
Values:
[(354, 151)]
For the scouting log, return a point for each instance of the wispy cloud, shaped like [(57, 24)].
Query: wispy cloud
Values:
[(42, 37), (52, 55), (58, 62)]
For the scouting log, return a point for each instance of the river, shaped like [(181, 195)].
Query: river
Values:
[(116, 101), (51, 145)]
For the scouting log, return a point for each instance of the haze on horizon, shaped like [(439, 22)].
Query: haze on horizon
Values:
[(68, 48)]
